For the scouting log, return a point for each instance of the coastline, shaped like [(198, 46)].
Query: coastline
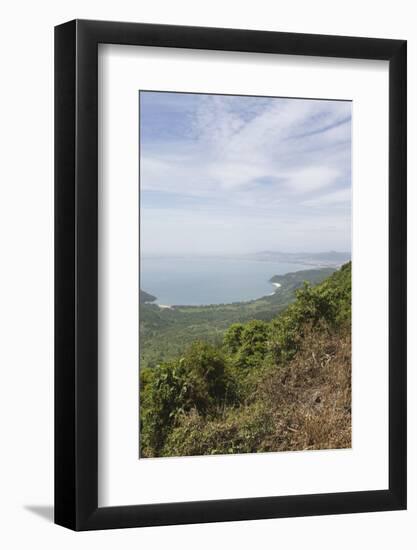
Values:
[(292, 279)]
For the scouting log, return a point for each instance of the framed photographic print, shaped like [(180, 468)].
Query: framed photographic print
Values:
[(230, 254)]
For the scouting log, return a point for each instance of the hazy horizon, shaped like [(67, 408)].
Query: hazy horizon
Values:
[(227, 175), (249, 253)]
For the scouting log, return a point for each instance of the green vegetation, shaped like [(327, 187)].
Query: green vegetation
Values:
[(145, 297), (265, 385), (166, 332)]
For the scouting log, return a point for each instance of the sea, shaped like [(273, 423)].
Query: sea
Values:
[(210, 280)]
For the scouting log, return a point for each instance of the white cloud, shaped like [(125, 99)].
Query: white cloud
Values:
[(335, 197), (268, 159), (312, 178)]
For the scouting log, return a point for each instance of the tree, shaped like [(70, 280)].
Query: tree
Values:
[(233, 337)]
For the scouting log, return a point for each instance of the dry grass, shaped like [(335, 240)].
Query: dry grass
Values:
[(310, 398), (303, 405)]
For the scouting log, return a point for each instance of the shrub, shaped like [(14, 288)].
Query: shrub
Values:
[(248, 344), (199, 380)]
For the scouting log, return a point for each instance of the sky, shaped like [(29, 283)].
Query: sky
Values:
[(241, 174)]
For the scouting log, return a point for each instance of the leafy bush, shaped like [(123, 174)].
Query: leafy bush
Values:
[(248, 344), (199, 380)]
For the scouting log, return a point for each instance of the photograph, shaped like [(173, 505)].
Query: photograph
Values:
[(245, 274), (208, 331)]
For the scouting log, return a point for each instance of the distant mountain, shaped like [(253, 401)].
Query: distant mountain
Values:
[(293, 281), (144, 297), (319, 259)]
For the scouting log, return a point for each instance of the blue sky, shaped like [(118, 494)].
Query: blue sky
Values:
[(237, 174)]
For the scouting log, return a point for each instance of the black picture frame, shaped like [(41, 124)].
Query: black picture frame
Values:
[(76, 272)]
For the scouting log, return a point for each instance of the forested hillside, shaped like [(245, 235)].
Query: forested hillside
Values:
[(145, 297), (265, 385), (166, 332)]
